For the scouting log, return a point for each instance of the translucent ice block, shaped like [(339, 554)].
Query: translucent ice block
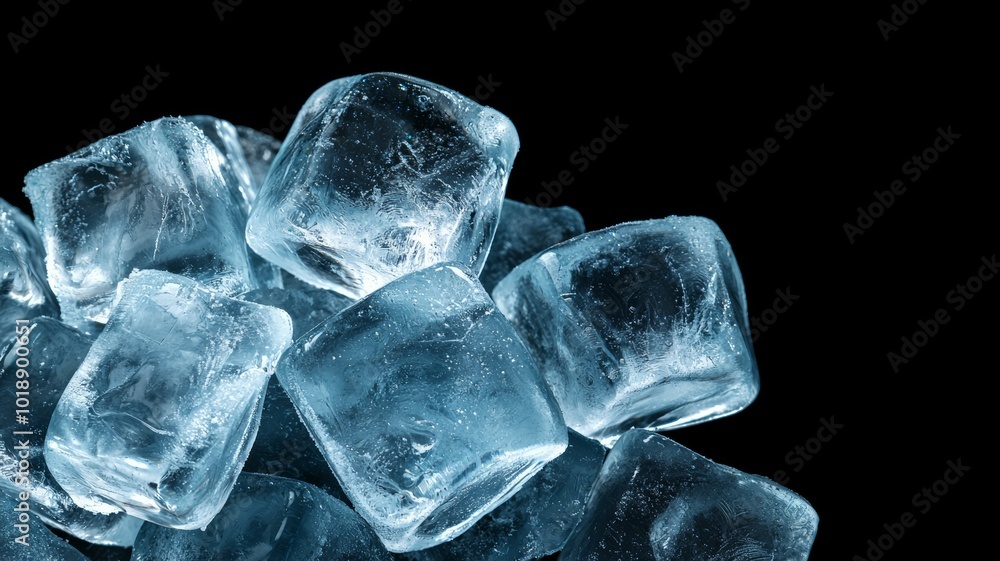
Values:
[(426, 404), (160, 416), (24, 289), (536, 521), (153, 197), (639, 325), (26, 538), (269, 518), (236, 170), (40, 363), (656, 500), (524, 230), (381, 175)]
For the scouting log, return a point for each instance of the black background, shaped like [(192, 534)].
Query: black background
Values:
[(823, 358)]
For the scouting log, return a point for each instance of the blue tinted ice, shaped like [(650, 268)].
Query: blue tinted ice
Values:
[(524, 230), (307, 305), (268, 518), (640, 325), (235, 168), (656, 500), (259, 149), (26, 538), (49, 354), (381, 175), (161, 414), (285, 448), (153, 197), (537, 520), (24, 289), (426, 405)]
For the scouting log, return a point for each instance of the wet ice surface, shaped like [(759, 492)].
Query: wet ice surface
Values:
[(538, 519), (381, 175), (524, 230), (55, 350), (269, 518), (161, 414), (426, 404), (153, 197), (24, 289), (640, 325), (40, 544), (656, 500)]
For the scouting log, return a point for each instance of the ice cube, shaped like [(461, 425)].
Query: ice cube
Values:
[(268, 517), (523, 231), (38, 364), (27, 539), (656, 500), (160, 416), (425, 403), (536, 521), (153, 197), (639, 325), (24, 288), (381, 175), (223, 135)]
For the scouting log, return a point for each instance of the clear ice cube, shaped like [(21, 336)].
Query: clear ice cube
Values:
[(641, 325), (268, 517), (656, 500), (161, 414), (523, 231), (537, 520), (49, 352), (27, 539), (425, 403), (381, 175), (152, 197), (24, 288)]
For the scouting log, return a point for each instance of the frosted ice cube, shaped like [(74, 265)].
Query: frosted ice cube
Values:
[(268, 517), (536, 521), (425, 403), (48, 352), (24, 289), (639, 325), (381, 175), (153, 197), (161, 414), (523, 231), (656, 500)]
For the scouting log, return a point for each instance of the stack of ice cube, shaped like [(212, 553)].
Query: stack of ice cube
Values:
[(349, 345)]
